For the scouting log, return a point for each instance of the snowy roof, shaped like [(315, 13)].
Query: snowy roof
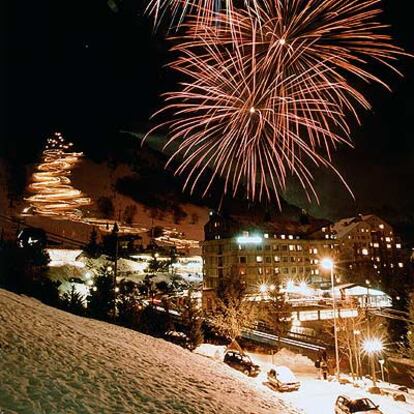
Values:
[(352, 289), (345, 225)]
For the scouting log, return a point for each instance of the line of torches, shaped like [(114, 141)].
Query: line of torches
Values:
[(53, 193)]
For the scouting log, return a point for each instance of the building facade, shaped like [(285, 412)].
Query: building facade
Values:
[(368, 248), (271, 253)]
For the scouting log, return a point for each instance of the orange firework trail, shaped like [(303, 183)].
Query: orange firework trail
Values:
[(53, 192), (204, 10), (247, 125), (269, 90)]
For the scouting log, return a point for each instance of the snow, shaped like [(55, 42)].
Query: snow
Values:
[(316, 396), (55, 362)]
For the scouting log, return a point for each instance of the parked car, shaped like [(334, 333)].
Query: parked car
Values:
[(283, 379), (346, 405), (242, 363)]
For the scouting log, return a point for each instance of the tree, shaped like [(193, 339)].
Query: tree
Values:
[(92, 249), (129, 304), (277, 312), (192, 318), (129, 214), (73, 302), (106, 207), (101, 297), (407, 347), (22, 267), (232, 311)]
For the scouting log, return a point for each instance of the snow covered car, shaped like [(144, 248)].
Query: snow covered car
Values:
[(283, 379), (346, 405), (242, 363)]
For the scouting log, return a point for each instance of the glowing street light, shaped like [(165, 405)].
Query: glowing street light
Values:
[(263, 288), (373, 346), (328, 264)]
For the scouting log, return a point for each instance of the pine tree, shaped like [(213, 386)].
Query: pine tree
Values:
[(101, 297), (278, 312), (129, 304), (92, 249), (192, 318), (74, 302)]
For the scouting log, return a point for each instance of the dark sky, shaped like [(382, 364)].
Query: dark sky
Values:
[(78, 67)]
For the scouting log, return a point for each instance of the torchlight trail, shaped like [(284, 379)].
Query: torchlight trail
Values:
[(53, 193)]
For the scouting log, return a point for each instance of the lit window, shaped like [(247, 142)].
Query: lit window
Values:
[(398, 245), (276, 270), (381, 226), (266, 235), (389, 246), (376, 245), (277, 259), (259, 259), (401, 265), (260, 270), (292, 247), (388, 239), (290, 237), (283, 237), (365, 252)]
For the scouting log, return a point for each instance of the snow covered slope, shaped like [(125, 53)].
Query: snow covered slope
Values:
[(52, 362)]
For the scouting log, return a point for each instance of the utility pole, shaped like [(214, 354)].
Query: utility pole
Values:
[(115, 232)]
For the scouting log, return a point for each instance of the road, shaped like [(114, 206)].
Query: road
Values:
[(317, 396)]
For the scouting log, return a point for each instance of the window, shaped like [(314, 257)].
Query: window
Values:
[(275, 248), (242, 259), (267, 247), (285, 270), (276, 270), (398, 245), (292, 247), (284, 247), (260, 271), (276, 259), (381, 226), (266, 235), (293, 270), (259, 247), (299, 248), (268, 260), (259, 259), (242, 271), (285, 259), (401, 265)]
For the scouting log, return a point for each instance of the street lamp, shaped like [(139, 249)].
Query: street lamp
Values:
[(373, 346), (263, 288), (328, 264)]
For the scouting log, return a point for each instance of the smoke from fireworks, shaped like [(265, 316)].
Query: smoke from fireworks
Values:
[(53, 193), (269, 90)]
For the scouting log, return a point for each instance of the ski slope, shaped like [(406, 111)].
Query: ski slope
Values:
[(52, 362)]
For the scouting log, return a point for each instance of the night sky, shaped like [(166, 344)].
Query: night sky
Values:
[(81, 68)]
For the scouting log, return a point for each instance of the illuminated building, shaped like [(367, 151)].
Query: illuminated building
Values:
[(274, 253)]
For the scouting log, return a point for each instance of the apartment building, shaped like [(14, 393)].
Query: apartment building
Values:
[(272, 253)]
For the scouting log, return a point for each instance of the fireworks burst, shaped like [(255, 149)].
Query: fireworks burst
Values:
[(53, 192), (270, 88), (247, 125), (204, 10)]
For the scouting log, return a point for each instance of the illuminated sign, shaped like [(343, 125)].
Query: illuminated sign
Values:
[(249, 240)]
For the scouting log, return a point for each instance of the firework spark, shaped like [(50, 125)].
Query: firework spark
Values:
[(204, 10), (53, 192), (249, 126), (269, 90)]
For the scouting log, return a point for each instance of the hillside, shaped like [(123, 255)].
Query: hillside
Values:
[(55, 362)]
